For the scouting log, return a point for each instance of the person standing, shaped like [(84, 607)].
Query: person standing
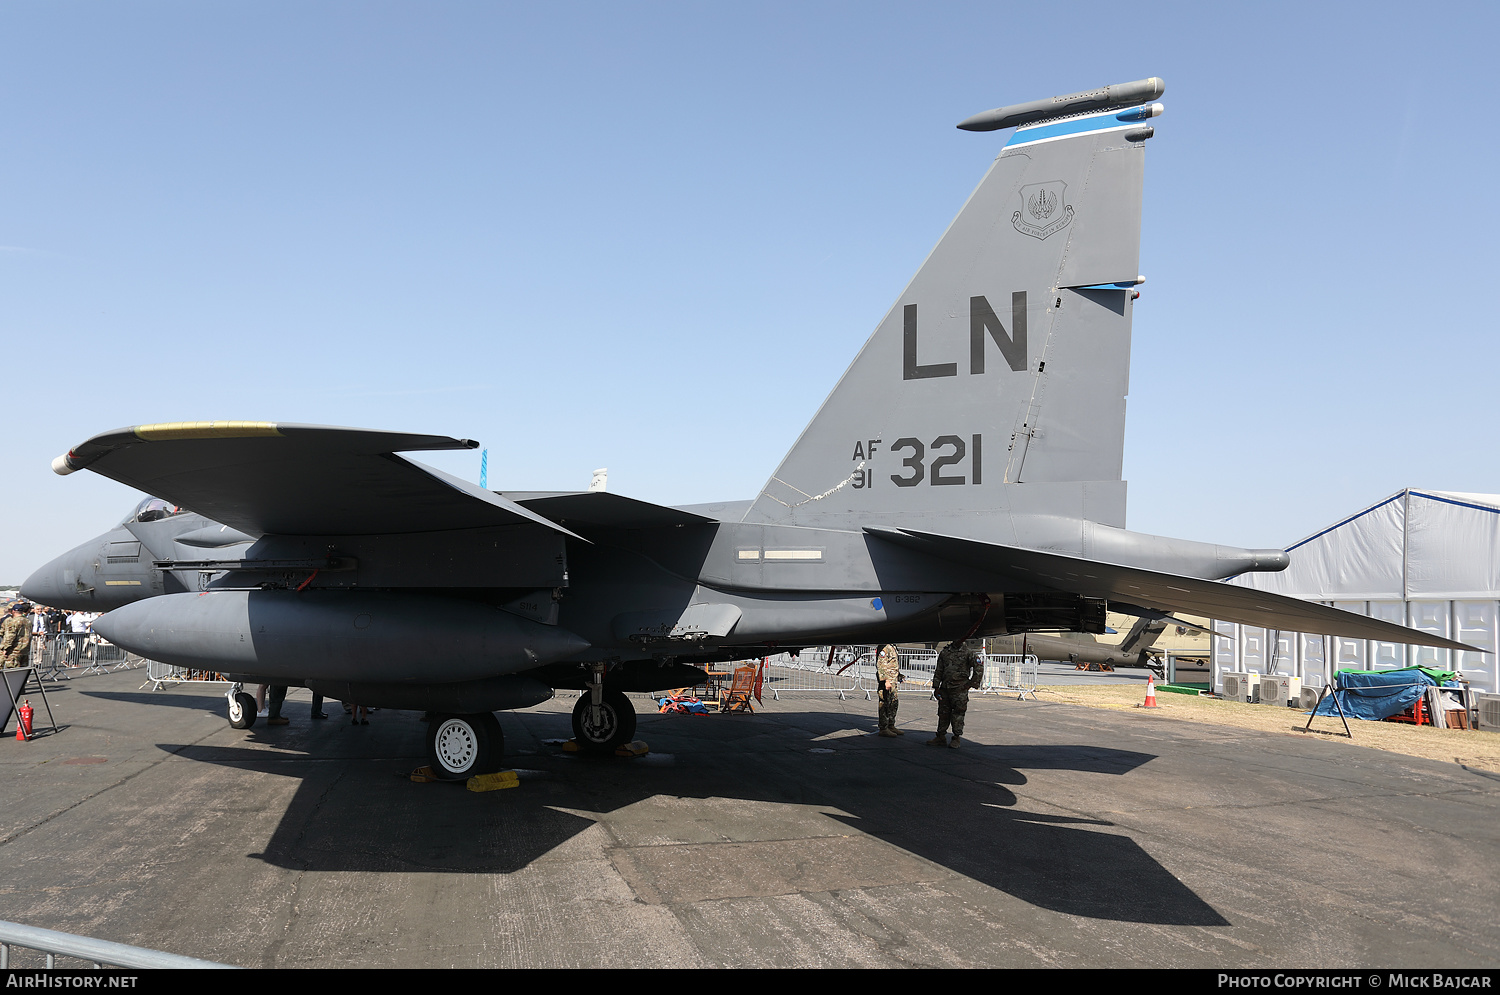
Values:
[(16, 646), (10, 637), (888, 676), (959, 670), (278, 698)]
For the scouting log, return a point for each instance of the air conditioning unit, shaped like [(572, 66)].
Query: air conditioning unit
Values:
[(1276, 689), (1240, 687), (1310, 697), (1488, 707)]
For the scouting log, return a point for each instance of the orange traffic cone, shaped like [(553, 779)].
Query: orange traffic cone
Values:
[(1150, 691)]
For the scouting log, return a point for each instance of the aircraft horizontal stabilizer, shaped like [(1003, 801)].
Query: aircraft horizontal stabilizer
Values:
[(1162, 592), (266, 478)]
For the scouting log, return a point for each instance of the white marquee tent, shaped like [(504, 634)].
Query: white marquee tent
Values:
[(1428, 559)]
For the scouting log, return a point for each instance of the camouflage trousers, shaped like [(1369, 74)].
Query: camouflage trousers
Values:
[(889, 699), (953, 703)]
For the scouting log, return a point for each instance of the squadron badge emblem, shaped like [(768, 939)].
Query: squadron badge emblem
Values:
[(1044, 209)]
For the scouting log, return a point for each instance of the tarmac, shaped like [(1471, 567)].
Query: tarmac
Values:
[(1056, 836)]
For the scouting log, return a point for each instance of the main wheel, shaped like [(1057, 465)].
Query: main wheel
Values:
[(241, 711), (614, 726), (461, 746)]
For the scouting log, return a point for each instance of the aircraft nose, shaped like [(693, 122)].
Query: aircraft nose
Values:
[(56, 584), (42, 586)]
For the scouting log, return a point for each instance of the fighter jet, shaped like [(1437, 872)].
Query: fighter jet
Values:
[(962, 479)]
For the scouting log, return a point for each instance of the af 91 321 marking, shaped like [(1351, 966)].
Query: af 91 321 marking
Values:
[(951, 455)]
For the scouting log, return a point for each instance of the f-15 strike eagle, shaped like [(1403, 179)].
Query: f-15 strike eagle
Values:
[(963, 478)]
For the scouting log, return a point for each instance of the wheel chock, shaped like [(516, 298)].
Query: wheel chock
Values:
[(494, 782), (571, 746), (633, 749), (424, 775)]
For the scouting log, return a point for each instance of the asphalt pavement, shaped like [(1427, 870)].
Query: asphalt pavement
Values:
[(1056, 836)]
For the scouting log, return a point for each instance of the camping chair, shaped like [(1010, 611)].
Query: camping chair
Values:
[(737, 698)]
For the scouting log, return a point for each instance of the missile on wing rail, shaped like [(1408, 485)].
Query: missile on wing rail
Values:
[(1118, 95)]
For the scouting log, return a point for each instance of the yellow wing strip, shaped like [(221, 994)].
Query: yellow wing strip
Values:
[(205, 430)]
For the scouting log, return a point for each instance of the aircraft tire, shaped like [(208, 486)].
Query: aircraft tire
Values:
[(242, 711), (616, 729), (461, 746)]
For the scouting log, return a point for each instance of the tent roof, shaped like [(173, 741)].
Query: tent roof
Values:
[(1414, 544)]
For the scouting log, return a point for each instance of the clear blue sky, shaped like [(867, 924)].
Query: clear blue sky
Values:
[(651, 236)]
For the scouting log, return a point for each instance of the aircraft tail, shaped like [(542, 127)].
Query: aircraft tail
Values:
[(996, 384)]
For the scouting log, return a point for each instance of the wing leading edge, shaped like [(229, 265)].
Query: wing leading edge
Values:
[(1162, 592), (267, 478)]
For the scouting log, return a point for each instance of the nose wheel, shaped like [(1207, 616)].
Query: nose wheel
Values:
[(603, 728), (241, 709)]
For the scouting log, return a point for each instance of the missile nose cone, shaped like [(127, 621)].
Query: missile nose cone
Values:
[(110, 626)]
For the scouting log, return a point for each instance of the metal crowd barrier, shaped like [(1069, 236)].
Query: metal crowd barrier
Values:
[(160, 675), (96, 952), (850, 670), (63, 655), (1010, 673)]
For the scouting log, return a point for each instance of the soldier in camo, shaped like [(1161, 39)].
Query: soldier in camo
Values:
[(15, 637), (959, 670), (888, 675)]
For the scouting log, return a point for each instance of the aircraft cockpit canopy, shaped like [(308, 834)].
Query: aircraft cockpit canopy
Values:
[(152, 510)]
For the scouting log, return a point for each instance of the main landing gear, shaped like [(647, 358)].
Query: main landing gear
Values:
[(601, 727), (461, 746)]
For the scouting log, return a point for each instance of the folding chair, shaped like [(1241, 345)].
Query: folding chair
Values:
[(737, 698)]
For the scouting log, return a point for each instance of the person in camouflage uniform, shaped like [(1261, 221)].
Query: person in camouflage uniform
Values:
[(888, 675), (959, 670), (15, 637)]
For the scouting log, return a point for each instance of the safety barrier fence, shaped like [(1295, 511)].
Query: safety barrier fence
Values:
[(850, 670), (96, 953), (160, 675), (60, 656)]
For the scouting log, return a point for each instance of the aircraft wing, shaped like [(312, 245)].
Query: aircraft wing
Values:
[(268, 478), (1161, 592), (584, 510)]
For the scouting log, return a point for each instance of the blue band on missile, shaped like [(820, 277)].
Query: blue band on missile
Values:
[(1106, 121)]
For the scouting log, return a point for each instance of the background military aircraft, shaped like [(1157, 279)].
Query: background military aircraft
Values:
[(1085, 649), (963, 478)]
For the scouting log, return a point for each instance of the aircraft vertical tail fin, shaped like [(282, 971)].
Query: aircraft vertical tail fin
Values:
[(996, 383)]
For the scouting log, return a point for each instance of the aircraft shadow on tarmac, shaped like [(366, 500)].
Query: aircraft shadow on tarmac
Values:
[(199, 703), (353, 814)]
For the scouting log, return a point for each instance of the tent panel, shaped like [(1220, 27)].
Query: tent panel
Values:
[(1430, 616), (1360, 558), (1351, 654), (1452, 549), (1387, 656), (1476, 623)]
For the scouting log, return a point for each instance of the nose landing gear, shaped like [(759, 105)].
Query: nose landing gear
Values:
[(241, 708)]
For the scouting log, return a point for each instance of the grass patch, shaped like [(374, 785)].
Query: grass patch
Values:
[(1473, 749)]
